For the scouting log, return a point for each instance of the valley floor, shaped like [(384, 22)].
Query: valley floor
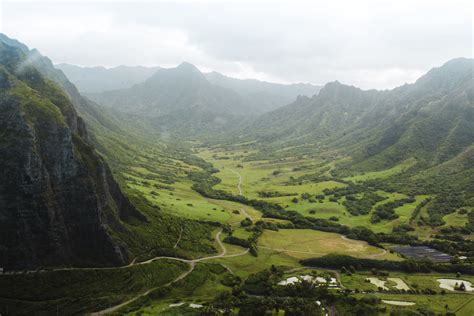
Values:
[(198, 280)]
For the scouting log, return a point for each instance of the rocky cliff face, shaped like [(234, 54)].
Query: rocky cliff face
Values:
[(59, 204)]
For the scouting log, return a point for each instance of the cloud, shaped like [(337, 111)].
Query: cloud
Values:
[(371, 44)]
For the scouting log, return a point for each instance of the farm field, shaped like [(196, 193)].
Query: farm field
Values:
[(304, 243), (416, 281), (282, 248), (205, 158), (276, 181), (455, 303), (257, 177)]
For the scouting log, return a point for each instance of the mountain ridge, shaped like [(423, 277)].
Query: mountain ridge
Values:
[(59, 201)]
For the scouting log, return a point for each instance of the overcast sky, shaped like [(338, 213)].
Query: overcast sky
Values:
[(370, 44)]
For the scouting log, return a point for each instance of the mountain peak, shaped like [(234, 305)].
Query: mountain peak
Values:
[(185, 71), (187, 67), (336, 86), (13, 42), (449, 75)]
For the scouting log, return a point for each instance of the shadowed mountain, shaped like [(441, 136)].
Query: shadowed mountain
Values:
[(58, 200)]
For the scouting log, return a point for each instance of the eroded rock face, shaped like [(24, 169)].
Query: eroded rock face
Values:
[(58, 200)]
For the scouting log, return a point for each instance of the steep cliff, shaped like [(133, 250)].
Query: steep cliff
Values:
[(59, 204)]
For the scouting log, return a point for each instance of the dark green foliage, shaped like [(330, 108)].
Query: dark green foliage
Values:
[(96, 288), (261, 283), (236, 241), (402, 228), (270, 194), (418, 208), (267, 225), (444, 203), (305, 196), (246, 222), (363, 205), (386, 211), (410, 266), (231, 280)]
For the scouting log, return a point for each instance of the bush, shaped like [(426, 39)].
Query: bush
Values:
[(246, 222)]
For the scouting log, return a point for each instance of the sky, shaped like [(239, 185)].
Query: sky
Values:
[(369, 44)]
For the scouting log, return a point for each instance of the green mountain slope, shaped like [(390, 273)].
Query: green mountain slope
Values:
[(431, 120), (71, 190), (179, 101), (59, 201)]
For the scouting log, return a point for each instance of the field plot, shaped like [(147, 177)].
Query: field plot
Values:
[(274, 181), (258, 176), (455, 303), (423, 252), (245, 265), (455, 219), (383, 173), (305, 243), (455, 285), (416, 281)]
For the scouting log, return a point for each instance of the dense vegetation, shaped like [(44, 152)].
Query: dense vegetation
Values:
[(409, 266), (396, 169)]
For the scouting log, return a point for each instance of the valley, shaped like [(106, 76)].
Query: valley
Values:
[(282, 247), (177, 192)]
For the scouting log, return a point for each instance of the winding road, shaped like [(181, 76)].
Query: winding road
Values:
[(192, 264)]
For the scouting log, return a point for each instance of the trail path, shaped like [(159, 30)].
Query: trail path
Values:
[(179, 239), (240, 181), (239, 187), (117, 307), (246, 214), (192, 264), (383, 252)]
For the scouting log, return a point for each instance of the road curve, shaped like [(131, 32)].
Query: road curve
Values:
[(192, 264)]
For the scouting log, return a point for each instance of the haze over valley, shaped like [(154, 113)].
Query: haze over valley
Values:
[(222, 185)]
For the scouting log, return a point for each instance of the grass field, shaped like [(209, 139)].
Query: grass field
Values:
[(271, 176), (245, 265), (460, 303), (305, 243), (383, 173), (416, 281), (455, 219), (163, 182), (201, 285)]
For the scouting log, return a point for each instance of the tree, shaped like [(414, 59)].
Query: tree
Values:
[(246, 222), (209, 310)]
